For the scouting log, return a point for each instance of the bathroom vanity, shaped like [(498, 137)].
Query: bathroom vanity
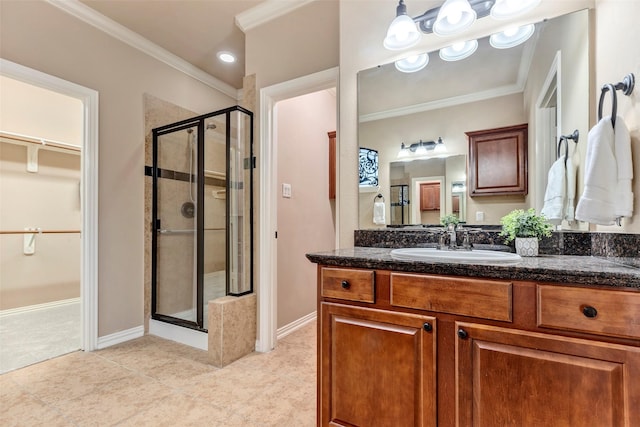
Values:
[(549, 341)]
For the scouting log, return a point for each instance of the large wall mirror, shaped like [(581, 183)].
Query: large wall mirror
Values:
[(544, 82)]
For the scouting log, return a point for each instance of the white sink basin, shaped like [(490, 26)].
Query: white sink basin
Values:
[(431, 254)]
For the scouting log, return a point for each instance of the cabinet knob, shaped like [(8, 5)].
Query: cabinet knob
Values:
[(427, 327), (589, 311), (345, 284), (462, 333)]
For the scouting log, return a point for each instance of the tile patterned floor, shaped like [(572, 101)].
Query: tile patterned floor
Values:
[(154, 382)]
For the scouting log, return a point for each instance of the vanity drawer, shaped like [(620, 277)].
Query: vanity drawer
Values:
[(487, 299), (348, 284), (596, 311)]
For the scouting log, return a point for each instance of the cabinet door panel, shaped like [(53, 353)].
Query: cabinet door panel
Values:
[(377, 368), (508, 377)]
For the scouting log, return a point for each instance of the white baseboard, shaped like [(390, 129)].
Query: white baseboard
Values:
[(296, 324), (118, 337), (179, 334), (37, 307)]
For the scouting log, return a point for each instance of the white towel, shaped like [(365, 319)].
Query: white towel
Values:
[(555, 195), (622, 149), (378, 213), (569, 207), (608, 171)]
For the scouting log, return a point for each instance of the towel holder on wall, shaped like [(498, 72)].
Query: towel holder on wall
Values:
[(379, 196), (574, 137), (626, 86)]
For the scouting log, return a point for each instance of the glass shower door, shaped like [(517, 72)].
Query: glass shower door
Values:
[(175, 205)]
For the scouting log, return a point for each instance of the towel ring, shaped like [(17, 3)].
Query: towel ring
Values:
[(614, 109), (379, 196), (574, 136)]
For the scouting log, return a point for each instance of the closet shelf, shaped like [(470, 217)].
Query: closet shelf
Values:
[(14, 138)]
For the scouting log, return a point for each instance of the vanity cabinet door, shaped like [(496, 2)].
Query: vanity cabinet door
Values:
[(376, 368), (498, 161), (511, 377)]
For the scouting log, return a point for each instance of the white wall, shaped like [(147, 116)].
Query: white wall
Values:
[(40, 36), (306, 220)]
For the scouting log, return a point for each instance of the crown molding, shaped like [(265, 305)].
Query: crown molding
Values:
[(90, 16), (443, 103), (265, 12)]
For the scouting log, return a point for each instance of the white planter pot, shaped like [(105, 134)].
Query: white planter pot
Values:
[(527, 246)]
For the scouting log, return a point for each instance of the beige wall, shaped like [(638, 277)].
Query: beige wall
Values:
[(33, 111), (297, 44), (306, 220), (451, 124), (38, 35), (617, 54)]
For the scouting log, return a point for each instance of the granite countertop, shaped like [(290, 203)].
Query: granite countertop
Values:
[(586, 270)]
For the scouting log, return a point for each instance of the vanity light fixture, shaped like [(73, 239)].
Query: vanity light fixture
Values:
[(507, 9), (454, 16), (511, 36), (412, 63), (458, 51), (404, 151), (403, 32), (421, 149)]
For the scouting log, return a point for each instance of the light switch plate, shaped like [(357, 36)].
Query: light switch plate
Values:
[(286, 191), (479, 216)]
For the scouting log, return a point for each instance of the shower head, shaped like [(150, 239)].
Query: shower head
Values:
[(211, 126)]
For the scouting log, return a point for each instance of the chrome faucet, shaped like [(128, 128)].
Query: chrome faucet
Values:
[(453, 237)]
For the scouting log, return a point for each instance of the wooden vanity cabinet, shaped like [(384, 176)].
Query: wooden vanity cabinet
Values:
[(513, 377), (422, 350)]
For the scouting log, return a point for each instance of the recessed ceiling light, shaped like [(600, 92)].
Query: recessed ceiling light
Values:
[(226, 57)]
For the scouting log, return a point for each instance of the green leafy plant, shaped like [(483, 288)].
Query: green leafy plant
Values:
[(521, 223), (449, 219)]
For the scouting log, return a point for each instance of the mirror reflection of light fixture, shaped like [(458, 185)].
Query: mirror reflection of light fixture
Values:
[(511, 36), (412, 63), (404, 151), (454, 16), (458, 51), (403, 32), (421, 149), (507, 9)]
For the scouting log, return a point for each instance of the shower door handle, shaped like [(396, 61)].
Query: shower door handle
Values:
[(166, 231)]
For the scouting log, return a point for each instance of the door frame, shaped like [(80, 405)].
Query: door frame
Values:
[(88, 190), (267, 248)]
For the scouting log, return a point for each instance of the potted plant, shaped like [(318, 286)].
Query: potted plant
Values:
[(526, 228), (449, 219)]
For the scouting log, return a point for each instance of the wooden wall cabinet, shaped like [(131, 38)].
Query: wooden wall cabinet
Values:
[(332, 164), (498, 161), (501, 354)]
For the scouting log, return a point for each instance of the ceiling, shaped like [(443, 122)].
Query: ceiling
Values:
[(194, 30)]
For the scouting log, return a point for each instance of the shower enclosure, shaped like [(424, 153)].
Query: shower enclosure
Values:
[(202, 219)]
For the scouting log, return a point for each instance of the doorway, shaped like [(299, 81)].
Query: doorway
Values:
[(269, 192), (48, 232)]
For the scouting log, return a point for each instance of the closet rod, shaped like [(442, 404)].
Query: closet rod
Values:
[(41, 232), (14, 137)]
